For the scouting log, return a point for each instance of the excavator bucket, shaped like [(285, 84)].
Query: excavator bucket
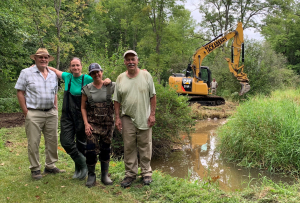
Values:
[(245, 88)]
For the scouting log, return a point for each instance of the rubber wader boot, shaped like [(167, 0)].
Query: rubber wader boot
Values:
[(82, 168), (104, 173), (91, 180), (77, 171)]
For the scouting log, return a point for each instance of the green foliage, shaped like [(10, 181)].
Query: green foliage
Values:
[(173, 116), (9, 105), (8, 96), (281, 29), (264, 132), (13, 55)]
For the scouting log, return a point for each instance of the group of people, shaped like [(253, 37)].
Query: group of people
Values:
[(92, 108)]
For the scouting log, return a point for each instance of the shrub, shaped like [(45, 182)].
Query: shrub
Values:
[(9, 105)]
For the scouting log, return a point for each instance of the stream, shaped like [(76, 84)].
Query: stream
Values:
[(198, 159)]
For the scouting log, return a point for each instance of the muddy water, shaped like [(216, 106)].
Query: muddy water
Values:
[(198, 160)]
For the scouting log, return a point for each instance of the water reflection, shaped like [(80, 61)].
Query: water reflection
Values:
[(199, 160)]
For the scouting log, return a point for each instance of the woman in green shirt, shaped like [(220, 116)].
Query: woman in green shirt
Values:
[(72, 136)]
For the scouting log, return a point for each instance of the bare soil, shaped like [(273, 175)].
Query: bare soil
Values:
[(10, 120)]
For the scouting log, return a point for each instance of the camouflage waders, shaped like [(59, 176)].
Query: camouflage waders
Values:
[(100, 116)]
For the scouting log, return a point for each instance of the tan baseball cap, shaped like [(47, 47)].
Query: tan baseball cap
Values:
[(130, 52)]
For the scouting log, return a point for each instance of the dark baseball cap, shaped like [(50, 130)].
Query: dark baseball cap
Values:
[(94, 67)]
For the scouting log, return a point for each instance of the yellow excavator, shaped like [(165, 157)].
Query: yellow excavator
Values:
[(196, 82)]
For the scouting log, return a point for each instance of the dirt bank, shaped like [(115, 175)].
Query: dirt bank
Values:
[(10, 120), (222, 111)]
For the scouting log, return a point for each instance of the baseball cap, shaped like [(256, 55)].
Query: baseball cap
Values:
[(94, 67), (129, 52)]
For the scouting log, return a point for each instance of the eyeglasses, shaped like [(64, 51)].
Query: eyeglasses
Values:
[(43, 57)]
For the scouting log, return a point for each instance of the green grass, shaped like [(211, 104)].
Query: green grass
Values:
[(264, 133), (16, 184)]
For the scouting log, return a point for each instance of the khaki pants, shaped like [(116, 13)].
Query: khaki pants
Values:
[(214, 91), (135, 141), (36, 122)]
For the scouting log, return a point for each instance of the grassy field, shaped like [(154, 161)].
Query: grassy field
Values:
[(264, 133), (16, 184)]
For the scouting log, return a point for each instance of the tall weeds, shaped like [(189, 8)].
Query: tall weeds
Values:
[(265, 133)]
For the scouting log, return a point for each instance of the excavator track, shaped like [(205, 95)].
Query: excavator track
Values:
[(207, 100)]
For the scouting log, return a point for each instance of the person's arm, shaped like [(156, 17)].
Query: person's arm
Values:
[(55, 102), (151, 119), (57, 72), (117, 106), (88, 127), (22, 102)]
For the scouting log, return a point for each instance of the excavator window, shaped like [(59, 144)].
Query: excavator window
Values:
[(205, 75)]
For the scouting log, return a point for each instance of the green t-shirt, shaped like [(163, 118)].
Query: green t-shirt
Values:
[(134, 96), (75, 82), (99, 95)]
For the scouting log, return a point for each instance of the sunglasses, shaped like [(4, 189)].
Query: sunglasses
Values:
[(43, 57)]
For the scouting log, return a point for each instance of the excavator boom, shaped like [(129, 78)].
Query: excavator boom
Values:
[(237, 49)]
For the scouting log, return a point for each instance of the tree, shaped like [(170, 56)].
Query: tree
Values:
[(282, 29), (13, 34), (220, 15)]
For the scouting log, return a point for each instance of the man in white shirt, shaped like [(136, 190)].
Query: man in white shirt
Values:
[(213, 86)]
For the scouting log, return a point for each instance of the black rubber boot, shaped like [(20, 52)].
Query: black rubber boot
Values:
[(91, 180), (82, 168), (77, 171), (104, 173)]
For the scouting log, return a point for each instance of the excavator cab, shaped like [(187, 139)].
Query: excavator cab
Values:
[(205, 75)]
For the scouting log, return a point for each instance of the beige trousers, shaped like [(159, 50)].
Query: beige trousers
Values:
[(214, 91), (136, 141), (36, 122)]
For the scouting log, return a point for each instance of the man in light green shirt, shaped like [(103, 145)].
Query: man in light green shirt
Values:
[(135, 95)]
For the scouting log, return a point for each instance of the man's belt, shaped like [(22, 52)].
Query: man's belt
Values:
[(40, 109)]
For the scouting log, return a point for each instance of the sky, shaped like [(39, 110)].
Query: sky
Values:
[(191, 5)]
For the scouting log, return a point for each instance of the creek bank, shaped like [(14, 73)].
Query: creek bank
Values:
[(200, 112)]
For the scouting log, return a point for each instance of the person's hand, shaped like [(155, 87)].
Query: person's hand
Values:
[(119, 124), (145, 70), (106, 81), (151, 121), (25, 113), (88, 129)]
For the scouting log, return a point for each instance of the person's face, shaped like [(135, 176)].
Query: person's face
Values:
[(131, 61), (96, 75), (75, 67), (41, 61)]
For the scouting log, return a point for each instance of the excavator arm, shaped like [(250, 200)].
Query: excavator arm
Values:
[(237, 50)]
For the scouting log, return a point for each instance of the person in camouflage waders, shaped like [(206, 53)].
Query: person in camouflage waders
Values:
[(98, 115)]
